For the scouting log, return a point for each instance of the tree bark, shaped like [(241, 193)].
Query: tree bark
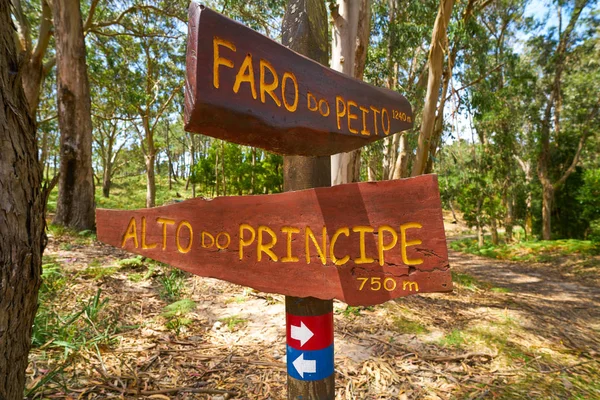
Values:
[(350, 41), (439, 44), (75, 206), (547, 199), (22, 222), (106, 180)]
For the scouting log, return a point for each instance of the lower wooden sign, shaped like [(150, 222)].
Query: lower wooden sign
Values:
[(362, 243)]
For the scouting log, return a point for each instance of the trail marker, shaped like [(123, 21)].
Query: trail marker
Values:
[(362, 243)]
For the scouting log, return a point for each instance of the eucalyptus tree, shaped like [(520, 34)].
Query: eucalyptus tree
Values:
[(146, 51), (75, 206), (565, 115), (351, 26), (22, 237)]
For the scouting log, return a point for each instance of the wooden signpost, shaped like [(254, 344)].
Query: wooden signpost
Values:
[(361, 243), (245, 88)]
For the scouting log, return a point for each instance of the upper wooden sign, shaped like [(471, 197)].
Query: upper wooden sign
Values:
[(362, 243), (245, 88)]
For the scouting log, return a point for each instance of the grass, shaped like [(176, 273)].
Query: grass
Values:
[(453, 339), (530, 251), (175, 314), (471, 283), (129, 193), (172, 285), (405, 326), (234, 322)]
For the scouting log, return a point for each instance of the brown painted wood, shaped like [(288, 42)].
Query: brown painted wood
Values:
[(163, 234), (320, 112)]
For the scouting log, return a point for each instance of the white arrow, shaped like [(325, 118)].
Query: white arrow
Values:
[(305, 366), (301, 333)]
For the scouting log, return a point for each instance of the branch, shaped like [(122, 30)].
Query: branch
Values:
[(47, 119), (476, 81), (580, 146), (164, 106), (135, 34), (90, 17), (118, 20), (23, 28), (48, 65), (45, 32)]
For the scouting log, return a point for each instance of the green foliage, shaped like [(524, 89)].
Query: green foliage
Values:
[(175, 314), (172, 285), (455, 338), (69, 330), (234, 322), (181, 307), (405, 326), (530, 251)]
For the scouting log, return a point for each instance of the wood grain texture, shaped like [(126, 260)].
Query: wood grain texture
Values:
[(404, 203), (333, 112)]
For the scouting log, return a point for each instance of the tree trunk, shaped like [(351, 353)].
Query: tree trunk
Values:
[(439, 45), (547, 199), (509, 220), (150, 159), (494, 231), (22, 236), (480, 242), (170, 166), (401, 167), (350, 39), (106, 181), (75, 206)]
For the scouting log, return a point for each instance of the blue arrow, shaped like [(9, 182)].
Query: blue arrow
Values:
[(310, 365)]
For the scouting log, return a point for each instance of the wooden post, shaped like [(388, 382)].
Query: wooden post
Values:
[(307, 34)]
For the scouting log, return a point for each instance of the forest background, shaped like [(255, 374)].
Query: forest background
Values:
[(513, 133)]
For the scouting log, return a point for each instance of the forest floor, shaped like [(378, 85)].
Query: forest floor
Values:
[(110, 326)]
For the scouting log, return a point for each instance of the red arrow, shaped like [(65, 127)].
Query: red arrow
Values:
[(310, 333)]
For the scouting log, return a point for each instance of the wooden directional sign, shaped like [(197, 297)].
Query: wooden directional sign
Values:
[(245, 88), (362, 243)]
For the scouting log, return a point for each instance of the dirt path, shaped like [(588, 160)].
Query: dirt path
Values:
[(566, 309), (507, 331)]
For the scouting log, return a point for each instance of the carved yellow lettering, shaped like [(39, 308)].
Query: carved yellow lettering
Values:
[(412, 286), (130, 233), (405, 243), (364, 130), (309, 98), (383, 119), (265, 248), (339, 112), (245, 74), (321, 251), (218, 60), (165, 222), (351, 116), (268, 87), (363, 259), (211, 237), (290, 231), (243, 242), (180, 248), (326, 111), (227, 242), (382, 246), (343, 260), (286, 76), (375, 111), (144, 244)]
